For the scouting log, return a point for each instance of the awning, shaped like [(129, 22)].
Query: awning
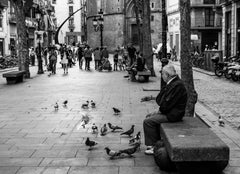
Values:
[(3, 3), (194, 37)]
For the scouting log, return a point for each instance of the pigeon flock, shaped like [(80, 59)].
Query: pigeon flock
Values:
[(135, 141)]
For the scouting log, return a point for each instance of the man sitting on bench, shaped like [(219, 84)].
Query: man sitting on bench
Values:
[(139, 65), (172, 101)]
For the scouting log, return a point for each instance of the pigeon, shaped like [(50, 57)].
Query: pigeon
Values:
[(129, 132), (56, 106), (104, 130), (130, 151), (136, 139), (93, 104), (85, 105), (116, 111), (65, 103), (220, 121), (90, 143), (111, 153), (113, 127), (94, 128)]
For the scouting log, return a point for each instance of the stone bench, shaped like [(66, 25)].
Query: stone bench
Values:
[(191, 147), (145, 74), (14, 76)]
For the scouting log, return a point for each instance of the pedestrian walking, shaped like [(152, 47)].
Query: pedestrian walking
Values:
[(97, 57), (80, 56), (32, 56), (115, 60), (45, 55), (88, 57), (53, 60), (64, 61), (131, 53), (104, 53)]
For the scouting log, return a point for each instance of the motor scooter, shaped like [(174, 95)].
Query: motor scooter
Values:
[(105, 65)]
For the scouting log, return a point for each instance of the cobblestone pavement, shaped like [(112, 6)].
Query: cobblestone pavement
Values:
[(36, 139)]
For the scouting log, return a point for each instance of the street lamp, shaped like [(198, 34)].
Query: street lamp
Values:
[(98, 22), (39, 50)]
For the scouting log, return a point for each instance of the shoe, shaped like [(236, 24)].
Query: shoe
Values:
[(149, 151), (149, 147)]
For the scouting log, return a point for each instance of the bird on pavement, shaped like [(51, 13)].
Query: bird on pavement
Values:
[(56, 106), (129, 132), (93, 104), (114, 127), (112, 153), (90, 143), (220, 121), (116, 111), (104, 130), (130, 151), (65, 103), (85, 105), (94, 128), (135, 139)]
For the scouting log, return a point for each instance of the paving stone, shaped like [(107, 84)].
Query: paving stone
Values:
[(43, 170), (107, 162), (16, 153), (8, 162), (9, 170), (93, 170), (140, 170), (62, 162)]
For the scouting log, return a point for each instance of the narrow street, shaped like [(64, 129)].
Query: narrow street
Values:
[(34, 138)]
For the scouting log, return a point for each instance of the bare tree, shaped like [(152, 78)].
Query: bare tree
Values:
[(22, 44), (186, 66), (147, 42)]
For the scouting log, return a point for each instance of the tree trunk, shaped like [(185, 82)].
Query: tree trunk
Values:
[(22, 44), (186, 66), (164, 30), (147, 42), (136, 9)]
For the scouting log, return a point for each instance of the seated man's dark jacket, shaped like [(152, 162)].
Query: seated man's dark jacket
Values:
[(172, 100)]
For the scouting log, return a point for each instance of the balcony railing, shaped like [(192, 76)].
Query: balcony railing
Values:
[(12, 18), (71, 26)]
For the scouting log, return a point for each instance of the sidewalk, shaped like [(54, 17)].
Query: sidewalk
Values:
[(35, 139)]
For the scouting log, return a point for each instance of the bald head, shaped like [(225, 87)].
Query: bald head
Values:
[(168, 72)]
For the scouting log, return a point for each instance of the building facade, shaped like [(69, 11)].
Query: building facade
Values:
[(70, 32), (4, 29), (206, 25), (231, 27), (120, 27)]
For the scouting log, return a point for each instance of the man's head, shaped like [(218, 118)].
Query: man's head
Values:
[(168, 72)]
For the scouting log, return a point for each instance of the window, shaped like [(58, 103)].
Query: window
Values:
[(1, 25), (209, 2), (70, 10), (152, 18), (54, 1), (71, 21), (209, 17), (118, 9), (70, 1), (152, 5)]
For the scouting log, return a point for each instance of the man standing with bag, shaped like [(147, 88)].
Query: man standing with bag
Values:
[(53, 60)]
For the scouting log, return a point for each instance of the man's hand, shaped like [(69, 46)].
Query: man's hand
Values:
[(153, 113), (147, 98)]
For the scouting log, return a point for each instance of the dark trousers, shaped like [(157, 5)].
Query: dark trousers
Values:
[(80, 63), (33, 60), (53, 66), (151, 128), (115, 66), (87, 63), (97, 63)]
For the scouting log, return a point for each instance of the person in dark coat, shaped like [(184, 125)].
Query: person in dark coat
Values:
[(80, 56), (131, 53), (172, 101)]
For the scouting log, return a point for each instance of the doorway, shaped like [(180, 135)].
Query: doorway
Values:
[(1, 47)]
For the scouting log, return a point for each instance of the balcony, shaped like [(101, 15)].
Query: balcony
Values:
[(12, 18), (71, 27), (225, 2)]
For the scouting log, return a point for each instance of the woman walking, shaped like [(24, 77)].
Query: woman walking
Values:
[(64, 61)]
